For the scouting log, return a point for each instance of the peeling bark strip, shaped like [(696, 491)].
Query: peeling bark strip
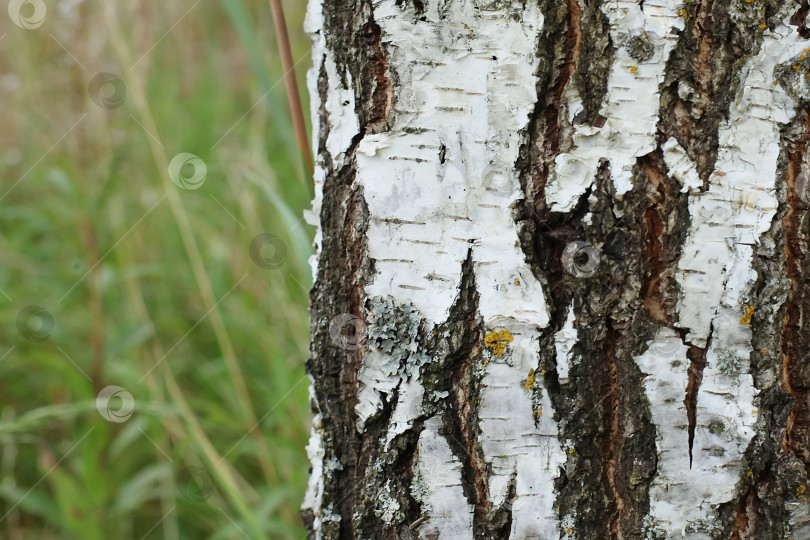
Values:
[(561, 275)]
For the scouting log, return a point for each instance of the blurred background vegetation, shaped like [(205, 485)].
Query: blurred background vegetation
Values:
[(146, 286)]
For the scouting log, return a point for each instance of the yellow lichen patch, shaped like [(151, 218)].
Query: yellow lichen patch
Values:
[(529, 380), (746, 319), (538, 411), (763, 26), (634, 70), (498, 341)]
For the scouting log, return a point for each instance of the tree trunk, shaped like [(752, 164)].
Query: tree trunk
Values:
[(560, 283)]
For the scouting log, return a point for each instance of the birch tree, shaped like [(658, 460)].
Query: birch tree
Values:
[(560, 281)]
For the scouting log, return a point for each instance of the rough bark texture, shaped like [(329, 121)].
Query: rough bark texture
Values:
[(561, 281)]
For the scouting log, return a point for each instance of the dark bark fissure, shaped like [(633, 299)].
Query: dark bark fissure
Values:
[(418, 5), (800, 17), (611, 319), (659, 278), (776, 471), (335, 370), (605, 395), (615, 429), (594, 58), (344, 267), (355, 40), (697, 363), (592, 412), (665, 224), (343, 270), (543, 235), (457, 376), (456, 346), (704, 72), (703, 77), (795, 338), (394, 484)]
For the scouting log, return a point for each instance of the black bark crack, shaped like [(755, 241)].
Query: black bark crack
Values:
[(704, 72)]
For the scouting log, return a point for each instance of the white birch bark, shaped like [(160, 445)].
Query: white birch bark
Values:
[(441, 182)]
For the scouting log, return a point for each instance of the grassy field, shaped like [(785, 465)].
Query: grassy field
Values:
[(119, 278)]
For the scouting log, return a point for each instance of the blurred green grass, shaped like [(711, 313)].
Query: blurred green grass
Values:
[(151, 288)]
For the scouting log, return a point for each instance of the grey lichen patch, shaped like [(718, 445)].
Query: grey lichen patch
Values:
[(387, 507), (494, 5), (420, 492), (651, 529), (329, 518), (386, 501), (711, 526), (717, 427), (398, 329), (568, 525), (332, 464), (640, 47), (728, 362), (641, 471), (794, 77)]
